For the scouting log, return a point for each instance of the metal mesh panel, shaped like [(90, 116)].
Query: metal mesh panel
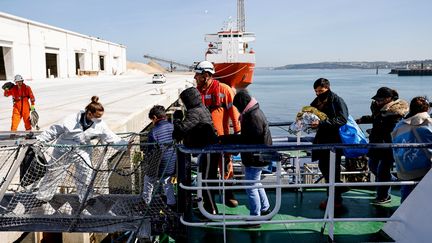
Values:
[(7, 157), (84, 188)]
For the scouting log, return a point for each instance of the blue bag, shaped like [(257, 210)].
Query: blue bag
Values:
[(351, 133)]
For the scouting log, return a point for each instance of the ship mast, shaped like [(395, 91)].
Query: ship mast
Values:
[(240, 16)]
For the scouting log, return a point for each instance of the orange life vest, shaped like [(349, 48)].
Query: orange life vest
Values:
[(212, 98)]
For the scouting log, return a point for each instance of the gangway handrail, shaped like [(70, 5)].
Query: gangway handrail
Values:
[(218, 148), (305, 220), (320, 185)]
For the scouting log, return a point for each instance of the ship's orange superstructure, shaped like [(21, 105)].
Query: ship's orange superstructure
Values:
[(229, 51)]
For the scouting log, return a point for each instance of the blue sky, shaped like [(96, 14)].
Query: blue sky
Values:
[(287, 31)]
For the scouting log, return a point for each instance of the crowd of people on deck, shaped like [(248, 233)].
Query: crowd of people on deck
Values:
[(392, 119), (212, 106)]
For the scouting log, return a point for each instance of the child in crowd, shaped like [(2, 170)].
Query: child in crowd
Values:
[(161, 135)]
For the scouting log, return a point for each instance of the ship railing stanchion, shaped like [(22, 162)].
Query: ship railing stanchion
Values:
[(223, 195), (331, 196), (200, 191), (297, 162), (278, 190)]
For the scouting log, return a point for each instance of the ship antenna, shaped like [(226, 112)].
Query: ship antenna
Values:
[(240, 16)]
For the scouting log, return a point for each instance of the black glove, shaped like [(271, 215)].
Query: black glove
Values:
[(7, 85), (178, 115)]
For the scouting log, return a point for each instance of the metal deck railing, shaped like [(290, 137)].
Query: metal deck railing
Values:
[(328, 220)]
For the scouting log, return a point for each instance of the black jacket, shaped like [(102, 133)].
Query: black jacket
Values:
[(196, 129), (384, 120), (254, 130), (337, 115)]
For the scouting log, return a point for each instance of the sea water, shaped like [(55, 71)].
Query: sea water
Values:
[(282, 93)]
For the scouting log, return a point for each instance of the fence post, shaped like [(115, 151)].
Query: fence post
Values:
[(331, 197), (183, 177), (184, 205), (19, 156)]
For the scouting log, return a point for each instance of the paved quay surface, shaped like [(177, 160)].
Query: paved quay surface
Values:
[(127, 99)]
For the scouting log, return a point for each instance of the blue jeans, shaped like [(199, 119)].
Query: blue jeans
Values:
[(258, 200), (149, 185), (381, 169)]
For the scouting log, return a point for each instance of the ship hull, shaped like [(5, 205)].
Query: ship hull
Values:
[(236, 75)]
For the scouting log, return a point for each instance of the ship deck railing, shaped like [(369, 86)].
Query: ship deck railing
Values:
[(225, 220)]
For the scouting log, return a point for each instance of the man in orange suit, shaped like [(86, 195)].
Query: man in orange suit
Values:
[(21, 94), (218, 98)]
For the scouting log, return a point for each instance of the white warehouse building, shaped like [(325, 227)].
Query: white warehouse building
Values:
[(38, 51)]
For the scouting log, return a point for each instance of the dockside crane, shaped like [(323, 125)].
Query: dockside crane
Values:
[(171, 62)]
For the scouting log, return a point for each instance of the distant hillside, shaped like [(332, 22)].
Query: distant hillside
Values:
[(358, 65)]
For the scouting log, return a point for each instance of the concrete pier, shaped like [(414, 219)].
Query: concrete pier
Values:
[(127, 98), (412, 72)]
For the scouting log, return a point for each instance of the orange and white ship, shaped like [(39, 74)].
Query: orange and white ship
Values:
[(230, 54)]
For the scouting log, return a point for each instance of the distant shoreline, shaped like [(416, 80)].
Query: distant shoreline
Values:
[(357, 65)]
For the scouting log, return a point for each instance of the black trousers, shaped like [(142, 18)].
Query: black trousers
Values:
[(228, 163), (323, 157), (209, 170)]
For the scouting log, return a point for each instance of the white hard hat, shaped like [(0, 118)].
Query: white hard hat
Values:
[(204, 66), (18, 78)]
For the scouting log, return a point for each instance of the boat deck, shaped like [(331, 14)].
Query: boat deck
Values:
[(297, 205)]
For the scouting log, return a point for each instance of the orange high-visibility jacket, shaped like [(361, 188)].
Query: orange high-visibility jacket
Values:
[(21, 106), (218, 98)]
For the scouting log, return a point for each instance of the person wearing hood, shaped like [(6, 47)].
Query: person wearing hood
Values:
[(328, 132), (387, 110), (412, 164), (255, 130), (76, 129), (196, 129)]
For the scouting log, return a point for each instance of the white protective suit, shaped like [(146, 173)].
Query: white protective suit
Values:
[(70, 132)]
